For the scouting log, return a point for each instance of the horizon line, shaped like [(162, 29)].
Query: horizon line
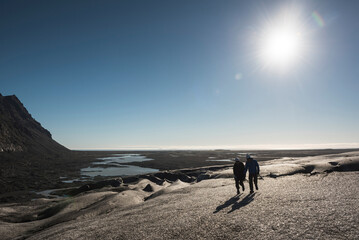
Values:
[(226, 147)]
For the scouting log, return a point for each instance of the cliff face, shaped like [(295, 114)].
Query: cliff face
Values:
[(19, 132)]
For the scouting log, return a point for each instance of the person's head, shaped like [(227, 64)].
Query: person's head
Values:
[(236, 159), (248, 157)]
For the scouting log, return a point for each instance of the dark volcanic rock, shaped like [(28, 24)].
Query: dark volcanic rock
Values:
[(20, 132), (98, 185), (154, 179), (172, 176), (148, 188)]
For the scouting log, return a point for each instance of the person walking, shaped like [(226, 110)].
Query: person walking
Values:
[(253, 169), (239, 174)]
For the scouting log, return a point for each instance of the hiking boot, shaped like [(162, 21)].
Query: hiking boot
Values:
[(256, 187), (237, 191), (251, 192)]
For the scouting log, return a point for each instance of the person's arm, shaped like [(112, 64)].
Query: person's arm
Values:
[(257, 167)]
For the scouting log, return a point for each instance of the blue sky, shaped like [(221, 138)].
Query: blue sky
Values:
[(182, 74)]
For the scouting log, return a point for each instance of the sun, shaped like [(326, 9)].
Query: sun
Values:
[(281, 47), (281, 42)]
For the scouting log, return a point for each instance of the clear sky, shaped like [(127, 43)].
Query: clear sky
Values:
[(185, 74)]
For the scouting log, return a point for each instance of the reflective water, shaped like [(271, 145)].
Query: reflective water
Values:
[(219, 160), (116, 166), (116, 171), (47, 194), (76, 180), (124, 158)]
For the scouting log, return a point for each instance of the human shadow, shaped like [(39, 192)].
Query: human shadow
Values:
[(245, 201), (228, 203), (233, 201)]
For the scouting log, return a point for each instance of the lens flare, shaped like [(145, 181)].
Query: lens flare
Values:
[(318, 19)]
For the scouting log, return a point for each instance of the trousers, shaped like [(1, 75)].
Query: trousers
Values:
[(253, 177), (239, 182)]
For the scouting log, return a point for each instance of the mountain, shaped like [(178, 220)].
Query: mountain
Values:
[(20, 132)]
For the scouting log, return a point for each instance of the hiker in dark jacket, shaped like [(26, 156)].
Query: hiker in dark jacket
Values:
[(239, 174), (253, 169)]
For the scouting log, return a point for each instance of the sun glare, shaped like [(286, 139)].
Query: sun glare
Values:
[(282, 46), (281, 43)]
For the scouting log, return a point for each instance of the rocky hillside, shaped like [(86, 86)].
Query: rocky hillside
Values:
[(19, 132)]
